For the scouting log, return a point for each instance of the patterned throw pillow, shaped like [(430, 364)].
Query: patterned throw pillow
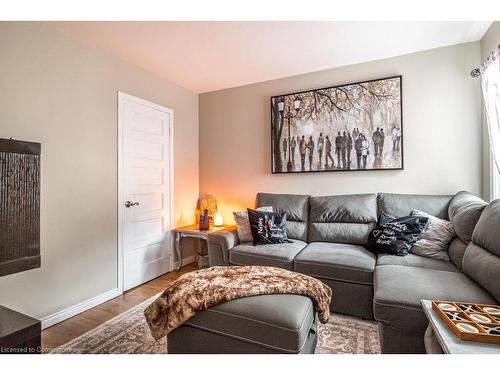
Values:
[(395, 235), (435, 238), (267, 227), (241, 218)]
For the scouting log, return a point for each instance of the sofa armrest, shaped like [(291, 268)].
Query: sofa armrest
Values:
[(219, 244)]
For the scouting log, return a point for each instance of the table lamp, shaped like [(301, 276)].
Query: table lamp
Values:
[(218, 220)]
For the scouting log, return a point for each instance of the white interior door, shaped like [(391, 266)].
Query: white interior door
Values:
[(145, 202)]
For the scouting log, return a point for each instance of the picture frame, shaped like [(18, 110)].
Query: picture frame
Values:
[(350, 127)]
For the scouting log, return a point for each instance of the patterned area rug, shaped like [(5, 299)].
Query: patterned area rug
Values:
[(128, 333)]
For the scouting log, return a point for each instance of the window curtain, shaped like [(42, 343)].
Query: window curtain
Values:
[(490, 81)]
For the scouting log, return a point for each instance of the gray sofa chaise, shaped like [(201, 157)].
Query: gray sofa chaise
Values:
[(329, 235)]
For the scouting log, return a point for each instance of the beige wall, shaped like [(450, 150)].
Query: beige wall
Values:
[(64, 95), (488, 44), (442, 141)]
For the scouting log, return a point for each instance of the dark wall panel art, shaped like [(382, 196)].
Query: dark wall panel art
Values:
[(19, 206)]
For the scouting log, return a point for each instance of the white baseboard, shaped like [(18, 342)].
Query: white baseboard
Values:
[(79, 308), (189, 259), (92, 302), (185, 261)]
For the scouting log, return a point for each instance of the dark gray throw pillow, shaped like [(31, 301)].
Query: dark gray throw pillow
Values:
[(395, 235), (267, 227)]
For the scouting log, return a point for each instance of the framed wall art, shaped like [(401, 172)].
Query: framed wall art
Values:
[(357, 126)]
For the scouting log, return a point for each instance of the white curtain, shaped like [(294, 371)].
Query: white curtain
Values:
[(490, 79)]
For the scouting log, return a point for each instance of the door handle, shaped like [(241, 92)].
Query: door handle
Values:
[(129, 204)]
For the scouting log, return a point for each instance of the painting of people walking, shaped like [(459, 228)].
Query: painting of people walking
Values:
[(352, 127)]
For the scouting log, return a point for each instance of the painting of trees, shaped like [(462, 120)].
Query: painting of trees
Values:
[(349, 127)]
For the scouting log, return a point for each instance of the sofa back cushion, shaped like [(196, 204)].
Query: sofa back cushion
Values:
[(403, 204), (482, 257), (296, 208), (342, 218), (456, 252), (464, 212)]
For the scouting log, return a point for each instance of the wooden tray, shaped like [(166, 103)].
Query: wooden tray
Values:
[(469, 321)]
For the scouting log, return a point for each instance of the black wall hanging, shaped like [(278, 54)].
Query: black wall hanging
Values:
[(19, 206)]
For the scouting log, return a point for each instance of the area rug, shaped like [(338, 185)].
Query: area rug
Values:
[(128, 333)]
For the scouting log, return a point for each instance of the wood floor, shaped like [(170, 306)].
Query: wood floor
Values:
[(69, 329)]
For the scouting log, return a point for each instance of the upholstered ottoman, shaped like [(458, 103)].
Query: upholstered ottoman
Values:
[(276, 323)]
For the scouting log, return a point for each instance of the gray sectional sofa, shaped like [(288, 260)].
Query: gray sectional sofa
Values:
[(329, 234)]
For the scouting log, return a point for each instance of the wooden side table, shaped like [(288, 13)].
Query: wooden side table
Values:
[(440, 339), (194, 231), (19, 333)]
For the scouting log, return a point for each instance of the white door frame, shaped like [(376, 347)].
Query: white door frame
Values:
[(122, 96)]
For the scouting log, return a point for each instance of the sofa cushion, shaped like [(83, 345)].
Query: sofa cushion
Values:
[(280, 321), (484, 268), (486, 231), (342, 218), (275, 255), (403, 204), (456, 252), (296, 208), (336, 261), (413, 260), (398, 291), (464, 211), (482, 257)]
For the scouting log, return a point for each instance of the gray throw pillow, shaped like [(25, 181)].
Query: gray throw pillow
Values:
[(435, 238), (241, 218)]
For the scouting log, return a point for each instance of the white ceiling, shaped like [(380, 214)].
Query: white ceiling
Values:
[(208, 56)]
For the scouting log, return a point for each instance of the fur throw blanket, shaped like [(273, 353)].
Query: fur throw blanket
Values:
[(199, 290)]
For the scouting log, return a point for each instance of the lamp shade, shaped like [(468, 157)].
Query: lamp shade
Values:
[(218, 220)]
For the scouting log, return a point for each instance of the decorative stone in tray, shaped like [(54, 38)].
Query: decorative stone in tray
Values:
[(495, 311), (480, 318), (464, 327), (447, 307)]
